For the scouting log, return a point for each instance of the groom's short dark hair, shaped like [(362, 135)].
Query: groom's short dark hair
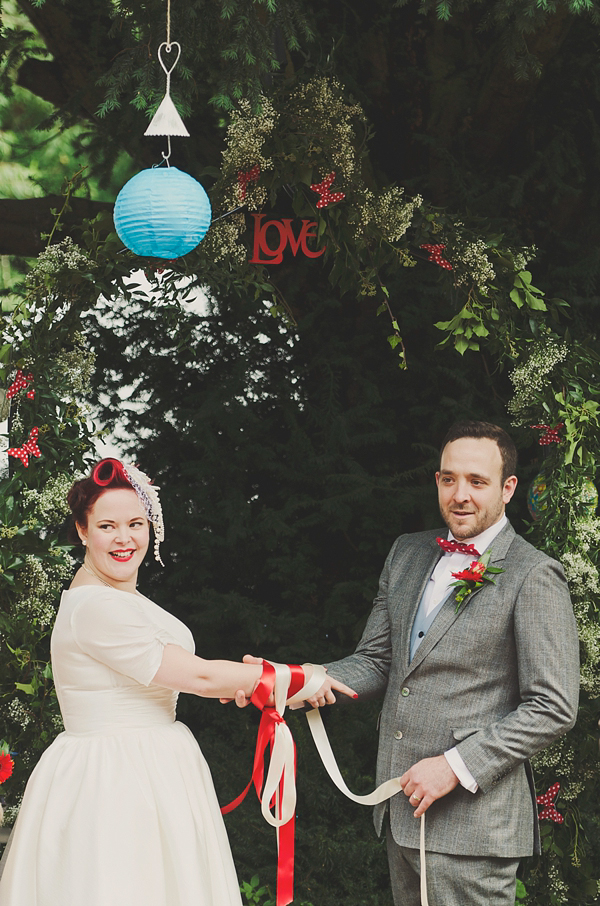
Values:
[(479, 430)]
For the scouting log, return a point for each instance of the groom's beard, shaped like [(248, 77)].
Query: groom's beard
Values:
[(474, 521)]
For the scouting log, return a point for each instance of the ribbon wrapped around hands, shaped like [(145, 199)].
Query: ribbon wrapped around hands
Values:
[(288, 685)]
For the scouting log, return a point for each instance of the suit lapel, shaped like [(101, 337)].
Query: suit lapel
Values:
[(447, 614), (501, 543), (413, 589)]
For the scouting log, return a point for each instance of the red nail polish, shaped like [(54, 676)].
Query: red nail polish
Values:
[(355, 695)]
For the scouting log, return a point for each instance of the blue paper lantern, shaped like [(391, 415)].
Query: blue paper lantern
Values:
[(162, 213)]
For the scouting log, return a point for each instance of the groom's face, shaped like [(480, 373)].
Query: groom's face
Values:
[(471, 493)]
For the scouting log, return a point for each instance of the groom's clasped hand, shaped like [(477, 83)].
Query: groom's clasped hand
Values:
[(323, 696)]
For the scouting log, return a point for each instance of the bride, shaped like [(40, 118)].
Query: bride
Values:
[(121, 807)]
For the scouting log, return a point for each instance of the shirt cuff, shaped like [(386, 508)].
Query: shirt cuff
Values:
[(464, 775)]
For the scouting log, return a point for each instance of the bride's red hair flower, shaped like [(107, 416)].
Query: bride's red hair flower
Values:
[(6, 766)]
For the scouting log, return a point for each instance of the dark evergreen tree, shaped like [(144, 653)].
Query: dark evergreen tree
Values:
[(289, 460)]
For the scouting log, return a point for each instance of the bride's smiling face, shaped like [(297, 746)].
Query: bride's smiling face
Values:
[(116, 535)]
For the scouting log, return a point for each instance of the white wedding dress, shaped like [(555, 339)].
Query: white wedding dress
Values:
[(121, 808)]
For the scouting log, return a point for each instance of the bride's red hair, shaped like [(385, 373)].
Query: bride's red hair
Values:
[(106, 475)]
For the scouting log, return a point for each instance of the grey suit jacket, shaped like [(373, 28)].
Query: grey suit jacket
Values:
[(499, 680)]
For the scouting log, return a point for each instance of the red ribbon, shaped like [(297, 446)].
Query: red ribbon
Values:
[(29, 448), (322, 188), (266, 737)]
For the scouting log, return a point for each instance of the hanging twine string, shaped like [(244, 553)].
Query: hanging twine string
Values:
[(168, 26)]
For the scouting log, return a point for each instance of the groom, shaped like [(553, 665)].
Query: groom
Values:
[(471, 692)]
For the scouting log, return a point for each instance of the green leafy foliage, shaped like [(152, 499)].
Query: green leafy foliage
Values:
[(42, 338), (556, 383)]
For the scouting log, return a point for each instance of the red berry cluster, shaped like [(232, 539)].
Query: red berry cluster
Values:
[(245, 177), (435, 255), (547, 800)]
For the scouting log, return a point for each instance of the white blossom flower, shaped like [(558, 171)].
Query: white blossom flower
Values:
[(50, 503), (63, 255), (581, 574), (531, 378), (18, 712)]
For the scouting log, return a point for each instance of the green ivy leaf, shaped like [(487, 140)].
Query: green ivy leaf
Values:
[(480, 330), (516, 297), (534, 302), (27, 688)]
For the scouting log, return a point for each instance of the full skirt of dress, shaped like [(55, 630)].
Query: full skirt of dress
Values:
[(117, 820), (121, 809)]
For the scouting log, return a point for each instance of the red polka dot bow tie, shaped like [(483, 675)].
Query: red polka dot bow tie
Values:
[(457, 547)]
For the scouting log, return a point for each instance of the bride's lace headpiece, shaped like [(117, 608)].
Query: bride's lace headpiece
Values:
[(148, 497), (147, 494)]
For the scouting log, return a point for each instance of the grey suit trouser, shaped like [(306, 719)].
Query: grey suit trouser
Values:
[(451, 880)]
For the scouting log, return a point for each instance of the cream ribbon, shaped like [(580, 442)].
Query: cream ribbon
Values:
[(384, 791), (281, 763), (282, 760)]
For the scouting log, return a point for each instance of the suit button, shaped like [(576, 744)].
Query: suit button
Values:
[(398, 734), (405, 691)]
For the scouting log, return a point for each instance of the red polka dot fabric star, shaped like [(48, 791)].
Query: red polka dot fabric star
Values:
[(435, 255), (550, 435), (21, 382), (549, 810), (29, 448), (322, 189)]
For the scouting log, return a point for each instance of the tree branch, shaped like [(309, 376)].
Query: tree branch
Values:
[(77, 66)]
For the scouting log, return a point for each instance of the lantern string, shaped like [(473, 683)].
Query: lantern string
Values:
[(168, 26), (228, 213)]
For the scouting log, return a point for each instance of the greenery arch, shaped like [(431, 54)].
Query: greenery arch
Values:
[(375, 239)]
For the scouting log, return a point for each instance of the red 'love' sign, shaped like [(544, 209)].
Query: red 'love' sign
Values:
[(286, 235)]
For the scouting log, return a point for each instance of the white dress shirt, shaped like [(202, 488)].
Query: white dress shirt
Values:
[(437, 589)]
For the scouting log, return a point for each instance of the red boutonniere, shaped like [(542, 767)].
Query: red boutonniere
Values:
[(472, 578)]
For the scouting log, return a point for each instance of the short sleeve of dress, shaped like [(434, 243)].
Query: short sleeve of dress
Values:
[(113, 630)]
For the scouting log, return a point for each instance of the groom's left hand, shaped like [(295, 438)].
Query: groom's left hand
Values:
[(429, 779)]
